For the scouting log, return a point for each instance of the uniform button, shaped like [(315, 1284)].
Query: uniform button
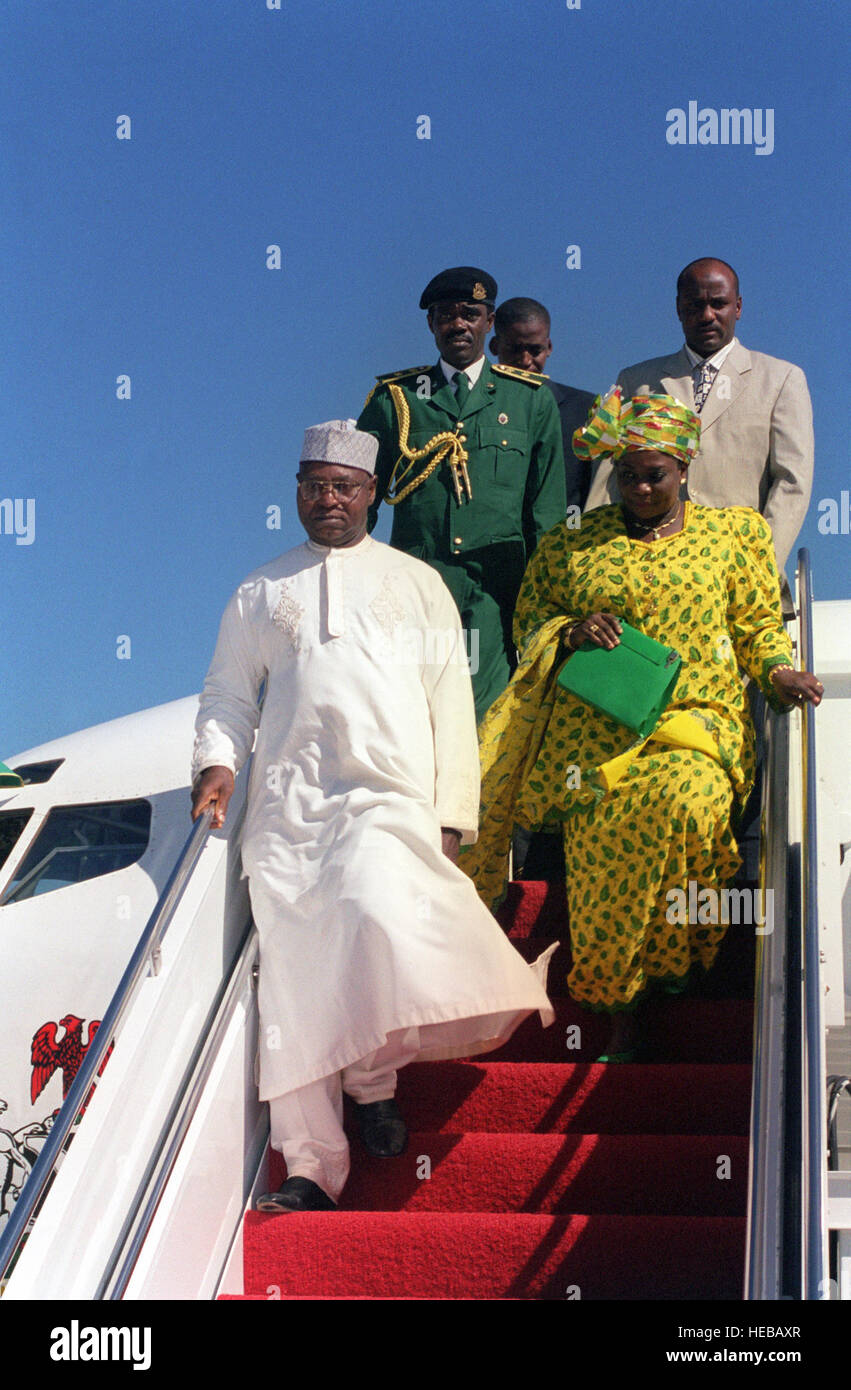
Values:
[(463, 438), (460, 425), (458, 540), (505, 441), (456, 551)]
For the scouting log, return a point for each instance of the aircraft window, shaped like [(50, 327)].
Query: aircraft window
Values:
[(80, 842), (11, 825), (30, 773)]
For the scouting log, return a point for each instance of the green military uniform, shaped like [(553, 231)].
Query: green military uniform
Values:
[(477, 516)]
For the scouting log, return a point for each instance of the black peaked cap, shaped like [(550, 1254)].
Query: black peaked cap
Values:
[(462, 282)]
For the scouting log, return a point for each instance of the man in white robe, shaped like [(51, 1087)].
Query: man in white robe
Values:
[(375, 948)]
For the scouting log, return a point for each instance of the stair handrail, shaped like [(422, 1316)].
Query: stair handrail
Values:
[(763, 1276), (811, 1044), (785, 1249), (145, 960), (166, 1148)]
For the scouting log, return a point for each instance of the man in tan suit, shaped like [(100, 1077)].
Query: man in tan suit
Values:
[(756, 440)]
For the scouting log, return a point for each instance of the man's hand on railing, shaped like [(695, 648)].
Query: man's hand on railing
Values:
[(213, 788)]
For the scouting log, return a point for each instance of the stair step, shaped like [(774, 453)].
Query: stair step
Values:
[(275, 1295), (682, 1175), (731, 976), (536, 1173), (633, 1098), (493, 1256), (534, 908), (677, 1029), (535, 913)]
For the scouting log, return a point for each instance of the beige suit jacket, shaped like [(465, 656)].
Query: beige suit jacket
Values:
[(756, 438)]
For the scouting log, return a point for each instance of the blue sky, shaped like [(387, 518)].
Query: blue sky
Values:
[(297, 127)]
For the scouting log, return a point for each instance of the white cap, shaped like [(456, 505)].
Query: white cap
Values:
[(340, 441)]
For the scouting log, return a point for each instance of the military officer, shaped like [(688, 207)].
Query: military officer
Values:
[(470, 458)]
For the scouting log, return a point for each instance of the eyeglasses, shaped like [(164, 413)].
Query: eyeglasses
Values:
[(344, 488)]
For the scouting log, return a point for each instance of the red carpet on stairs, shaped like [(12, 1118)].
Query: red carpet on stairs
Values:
[(476, 1255), (538, 1174)]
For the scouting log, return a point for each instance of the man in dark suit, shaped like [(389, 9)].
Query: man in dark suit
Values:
[(522, 339)]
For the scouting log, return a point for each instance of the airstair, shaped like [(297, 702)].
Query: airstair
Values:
[(532, 1174)]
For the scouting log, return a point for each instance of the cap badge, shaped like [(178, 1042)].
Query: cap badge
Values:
[(479, 291)]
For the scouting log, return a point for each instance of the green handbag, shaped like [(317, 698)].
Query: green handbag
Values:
[(633, 683)]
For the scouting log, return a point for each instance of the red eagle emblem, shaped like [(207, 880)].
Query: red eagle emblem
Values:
[(65, 1055)]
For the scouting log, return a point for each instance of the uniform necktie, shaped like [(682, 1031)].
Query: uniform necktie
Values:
[(704, 375), (462, 388)]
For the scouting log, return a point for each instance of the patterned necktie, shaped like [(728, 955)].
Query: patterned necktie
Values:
[(462, 388), (704, 375)]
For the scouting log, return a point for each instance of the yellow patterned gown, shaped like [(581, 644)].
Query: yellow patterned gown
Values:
[(711, 592)]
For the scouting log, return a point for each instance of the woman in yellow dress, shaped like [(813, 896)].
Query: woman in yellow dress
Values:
[(703, 581)]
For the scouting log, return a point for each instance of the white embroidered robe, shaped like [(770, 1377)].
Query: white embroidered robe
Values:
[(366, 746)]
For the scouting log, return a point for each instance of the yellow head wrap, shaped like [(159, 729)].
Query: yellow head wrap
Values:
[(645, 422)]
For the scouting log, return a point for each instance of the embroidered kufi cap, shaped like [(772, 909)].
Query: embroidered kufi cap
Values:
[(646, 422), (464, 284), (340, 441)]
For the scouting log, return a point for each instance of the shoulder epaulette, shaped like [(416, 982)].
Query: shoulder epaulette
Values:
[(395, 376), (519, 374), (409, 371)]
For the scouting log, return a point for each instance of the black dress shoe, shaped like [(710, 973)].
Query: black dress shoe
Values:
[(382, 1129), (296, 1194)]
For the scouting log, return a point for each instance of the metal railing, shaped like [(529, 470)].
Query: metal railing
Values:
[(811, 1045), (763, 1272), (786, 1197), (144, 961), (165, 1150)]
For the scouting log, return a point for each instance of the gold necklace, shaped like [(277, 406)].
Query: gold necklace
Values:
[(655, 531)]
